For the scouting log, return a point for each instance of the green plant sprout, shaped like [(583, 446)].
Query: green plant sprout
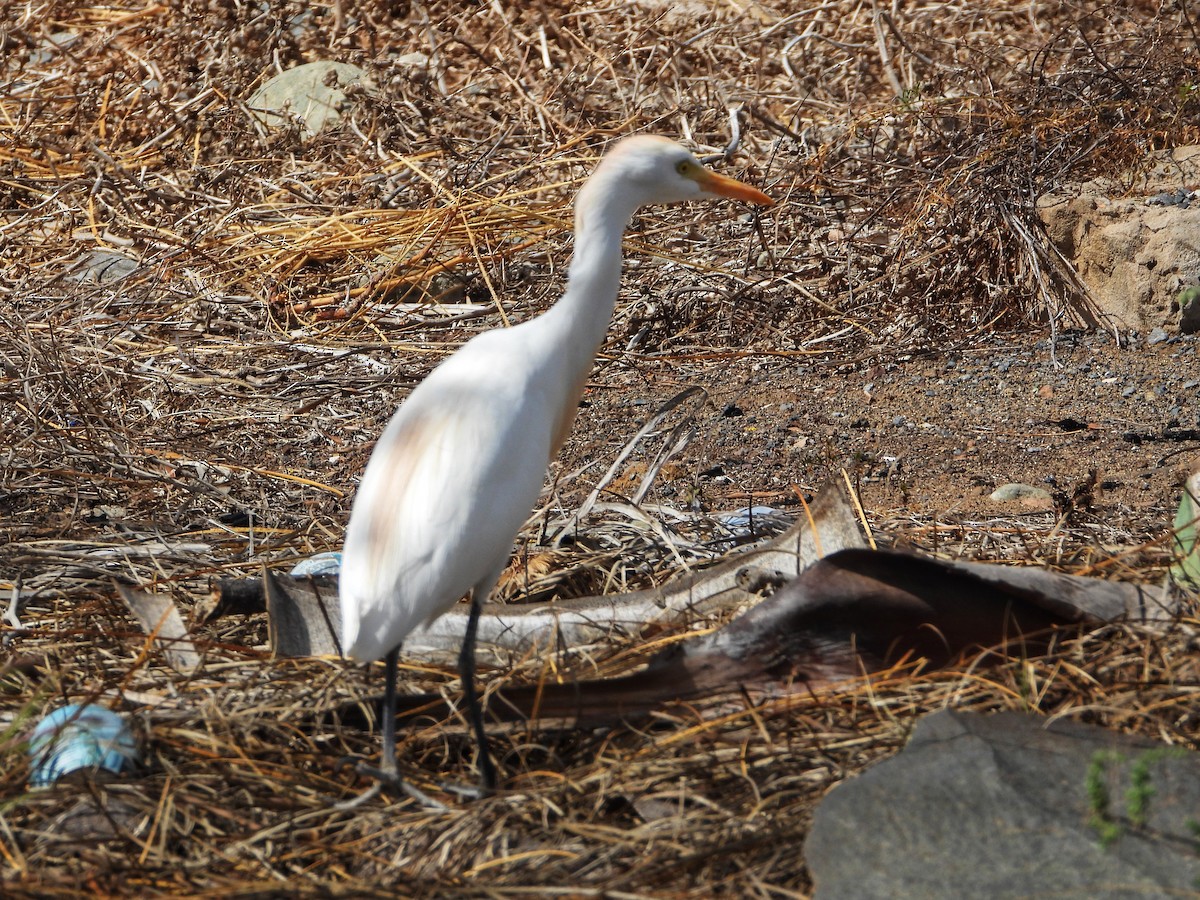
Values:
[(1099, 798), (1138, 795)]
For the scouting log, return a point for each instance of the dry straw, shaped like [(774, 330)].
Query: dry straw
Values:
[(203, 325)]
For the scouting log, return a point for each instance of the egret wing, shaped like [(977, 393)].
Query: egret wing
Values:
[(448, 486)]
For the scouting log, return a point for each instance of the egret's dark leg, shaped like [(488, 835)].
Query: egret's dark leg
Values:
[(388, 773), (391, 664), (466, 671)]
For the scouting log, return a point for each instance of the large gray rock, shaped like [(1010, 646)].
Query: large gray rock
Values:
[(1134, 243), (1008, 806)]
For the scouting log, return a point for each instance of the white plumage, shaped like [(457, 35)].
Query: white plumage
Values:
[(461, 463), (445, 497)]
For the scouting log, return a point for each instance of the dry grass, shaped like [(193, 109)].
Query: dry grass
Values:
[(212, 410)]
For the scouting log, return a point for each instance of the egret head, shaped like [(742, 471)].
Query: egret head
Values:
[(652, 169)]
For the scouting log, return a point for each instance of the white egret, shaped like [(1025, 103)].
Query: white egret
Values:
[(461, 464)]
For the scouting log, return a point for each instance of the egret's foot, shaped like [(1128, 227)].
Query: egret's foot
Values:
[(359, 799), (485, 788), (385, 779), (467, 791)]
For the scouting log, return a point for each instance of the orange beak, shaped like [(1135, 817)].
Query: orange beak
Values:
[(724, 186)]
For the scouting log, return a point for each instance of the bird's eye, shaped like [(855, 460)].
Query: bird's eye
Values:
[(683, 167)]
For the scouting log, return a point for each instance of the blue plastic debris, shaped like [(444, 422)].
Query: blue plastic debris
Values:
[(328, 563), (740, 522), (79, 737)]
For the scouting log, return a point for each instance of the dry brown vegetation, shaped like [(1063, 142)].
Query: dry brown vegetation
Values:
[(212, 411)]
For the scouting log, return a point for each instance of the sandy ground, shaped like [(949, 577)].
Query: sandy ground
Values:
[(933, 435)]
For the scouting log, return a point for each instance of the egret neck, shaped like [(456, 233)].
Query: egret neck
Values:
[(577, 323), (594, 277)]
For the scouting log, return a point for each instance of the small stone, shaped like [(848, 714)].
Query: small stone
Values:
[(1025, 493), (313, 92), (1157, 336), (412, 60), (102, 267)]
